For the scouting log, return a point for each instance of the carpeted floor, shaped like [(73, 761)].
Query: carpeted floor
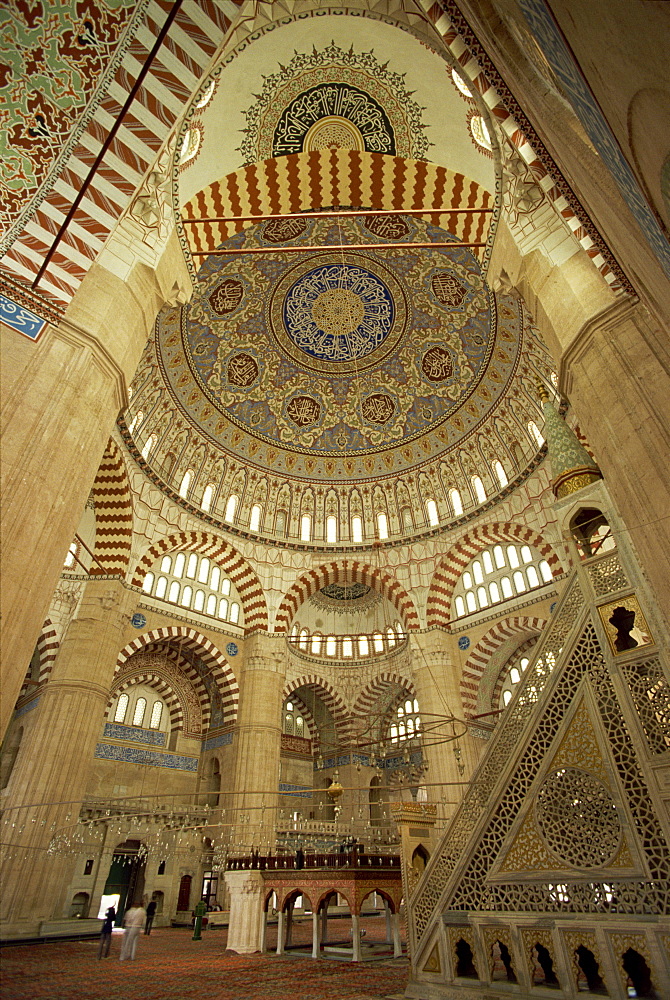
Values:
[(170, 966)]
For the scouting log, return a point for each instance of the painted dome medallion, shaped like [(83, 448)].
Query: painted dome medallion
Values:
[(339, 364)]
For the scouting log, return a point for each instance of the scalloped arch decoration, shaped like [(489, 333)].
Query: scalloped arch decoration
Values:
[(347, 571), (445, 578), (474, 668), (228, 558), (209, 654)]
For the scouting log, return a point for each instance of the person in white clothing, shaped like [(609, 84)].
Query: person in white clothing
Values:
[(134, 920)]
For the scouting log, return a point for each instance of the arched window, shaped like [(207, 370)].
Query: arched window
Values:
[(470, 601), (148, 583), (186, 597), (347, 647), (166, 564), (331, 646), (460, 607), (211, 604), (223, 609), (500, 474), (234, 613), (519, 582), (356, 529), (192, 567), (173, 596), (382, 526), (179, 564), (255, 518), (161, 587), (121, 708), (533, 579), (225, 586), (231, 508), (70, 558), (140, 709), (185, 483), (456, 502), (494, 593), (136, 421), (331, 529), (482, 597), (203, 572), (526, 554), (363, 646), (433, 517), (207, 497), (304, 635), (390, 637), (156, 713), (478, 487), (499, 556), (488, 562), (512, 556), (215, 579), (305, 528), (316, 644), (545, 571), (477, 571), (506, 587), (199, 602), (148, 447), (535, 433)]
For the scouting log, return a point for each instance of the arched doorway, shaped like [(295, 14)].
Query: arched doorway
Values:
[(126, 876)]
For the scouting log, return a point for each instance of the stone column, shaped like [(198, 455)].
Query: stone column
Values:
[(397, 943), (316, 937), (61, 398), (64, 734), (356, 937), (245, 927), (324, 923), (257, 744), (280, 932)]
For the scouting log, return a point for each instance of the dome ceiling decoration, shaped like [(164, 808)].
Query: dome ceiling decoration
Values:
[(332, 99), (340, 364)]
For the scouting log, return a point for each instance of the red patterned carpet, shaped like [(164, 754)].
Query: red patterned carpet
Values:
[(170, 966)]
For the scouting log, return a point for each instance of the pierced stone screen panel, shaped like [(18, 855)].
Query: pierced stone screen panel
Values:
[(651, 694)]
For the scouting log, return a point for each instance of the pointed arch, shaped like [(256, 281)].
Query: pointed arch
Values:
[(371, 693), (445, 578), (306, 712), (228, 558), (347, 571), (48, 645), (475, 666), (218, 667), (113, 515), (171, 693), (330, 697)]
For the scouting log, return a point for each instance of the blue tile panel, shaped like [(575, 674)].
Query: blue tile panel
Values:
[(151, 758), (133, 734), (550, 40), (223, 740), (23, 320), (302, 791), (390, 763)]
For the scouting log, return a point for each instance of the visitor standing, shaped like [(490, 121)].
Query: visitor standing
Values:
[(133, 921), (151, 912), (106, 932)]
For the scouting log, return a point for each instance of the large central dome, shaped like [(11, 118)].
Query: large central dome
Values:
[(343, 363)]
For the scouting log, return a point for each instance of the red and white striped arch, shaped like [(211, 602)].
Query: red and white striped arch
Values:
[(329, 696), (476, 664), (372, 692), (173, 698), (305, 711), (170, 639), (446, 576), (224, 555), (113, 515), (347, 571)]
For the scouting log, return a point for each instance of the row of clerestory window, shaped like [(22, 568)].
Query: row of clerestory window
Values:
[(346, 647), (137, 716), (407, 724), (212, 598), (497, 575)]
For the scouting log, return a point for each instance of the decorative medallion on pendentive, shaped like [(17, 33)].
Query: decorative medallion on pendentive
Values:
[(231, 649), (227, 296), (447, 289), (437, 364), (378, 408), (387, 227), (242, 370), (464, 642), (303, 411), (283, 230), (138, 620)]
